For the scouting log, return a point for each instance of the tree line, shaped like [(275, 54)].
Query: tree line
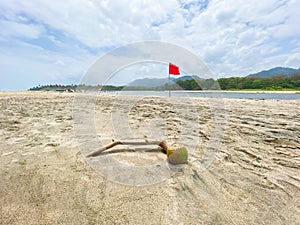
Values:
[(277, 82), (80, 87)]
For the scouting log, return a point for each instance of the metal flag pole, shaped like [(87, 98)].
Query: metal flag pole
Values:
[(169, 85)]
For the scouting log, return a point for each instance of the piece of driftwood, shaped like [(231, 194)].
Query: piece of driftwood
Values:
[(160, 143), (176, 153)]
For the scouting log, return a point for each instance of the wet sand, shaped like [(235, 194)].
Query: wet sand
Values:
[(252, 178)]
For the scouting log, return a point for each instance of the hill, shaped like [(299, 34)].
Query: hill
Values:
[(148, 82), (157, 82), (275, 71), (186, 77)]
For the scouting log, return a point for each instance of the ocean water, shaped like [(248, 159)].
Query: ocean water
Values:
[(217, 94)]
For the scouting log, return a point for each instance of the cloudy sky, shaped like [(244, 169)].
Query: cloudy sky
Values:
[(56, 41)]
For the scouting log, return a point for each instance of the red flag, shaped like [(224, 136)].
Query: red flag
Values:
[(173, 69)]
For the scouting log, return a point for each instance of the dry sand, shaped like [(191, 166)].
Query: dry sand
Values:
[(253, 179)]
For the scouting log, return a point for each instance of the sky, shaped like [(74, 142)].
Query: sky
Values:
[(48, 42)]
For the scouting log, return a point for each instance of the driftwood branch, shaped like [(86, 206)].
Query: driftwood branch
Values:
[(160, 143)]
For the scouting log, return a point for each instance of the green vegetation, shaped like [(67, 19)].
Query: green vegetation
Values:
[(53, 87), (208, 84), (274, 83), (110, 88), (84, 87), (278, 82), (81, 87)]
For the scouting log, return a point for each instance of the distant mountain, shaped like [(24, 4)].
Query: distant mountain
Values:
[(186, 77), (275, 71), (157, 82), (148, 82)]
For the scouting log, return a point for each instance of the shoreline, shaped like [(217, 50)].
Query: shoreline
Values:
[(239, 91), (195, 91)]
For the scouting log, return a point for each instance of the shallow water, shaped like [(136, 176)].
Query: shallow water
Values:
[(212, 94)]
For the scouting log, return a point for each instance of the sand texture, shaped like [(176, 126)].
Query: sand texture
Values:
[(252, 176)]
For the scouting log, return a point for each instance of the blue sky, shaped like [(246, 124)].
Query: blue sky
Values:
[(43, 42)]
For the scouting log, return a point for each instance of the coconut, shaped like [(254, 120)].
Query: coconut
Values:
[(177, 154)]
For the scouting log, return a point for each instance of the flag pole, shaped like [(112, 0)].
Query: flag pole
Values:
[(173, 69), (169, 86)]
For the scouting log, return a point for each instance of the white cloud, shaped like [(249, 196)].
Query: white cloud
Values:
[(293, 58), (137, 71), (233, 37), (98, 24), (241, 35), (15, 29), (27, 65)]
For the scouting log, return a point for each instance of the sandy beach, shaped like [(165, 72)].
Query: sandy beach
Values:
[(244, 164)]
